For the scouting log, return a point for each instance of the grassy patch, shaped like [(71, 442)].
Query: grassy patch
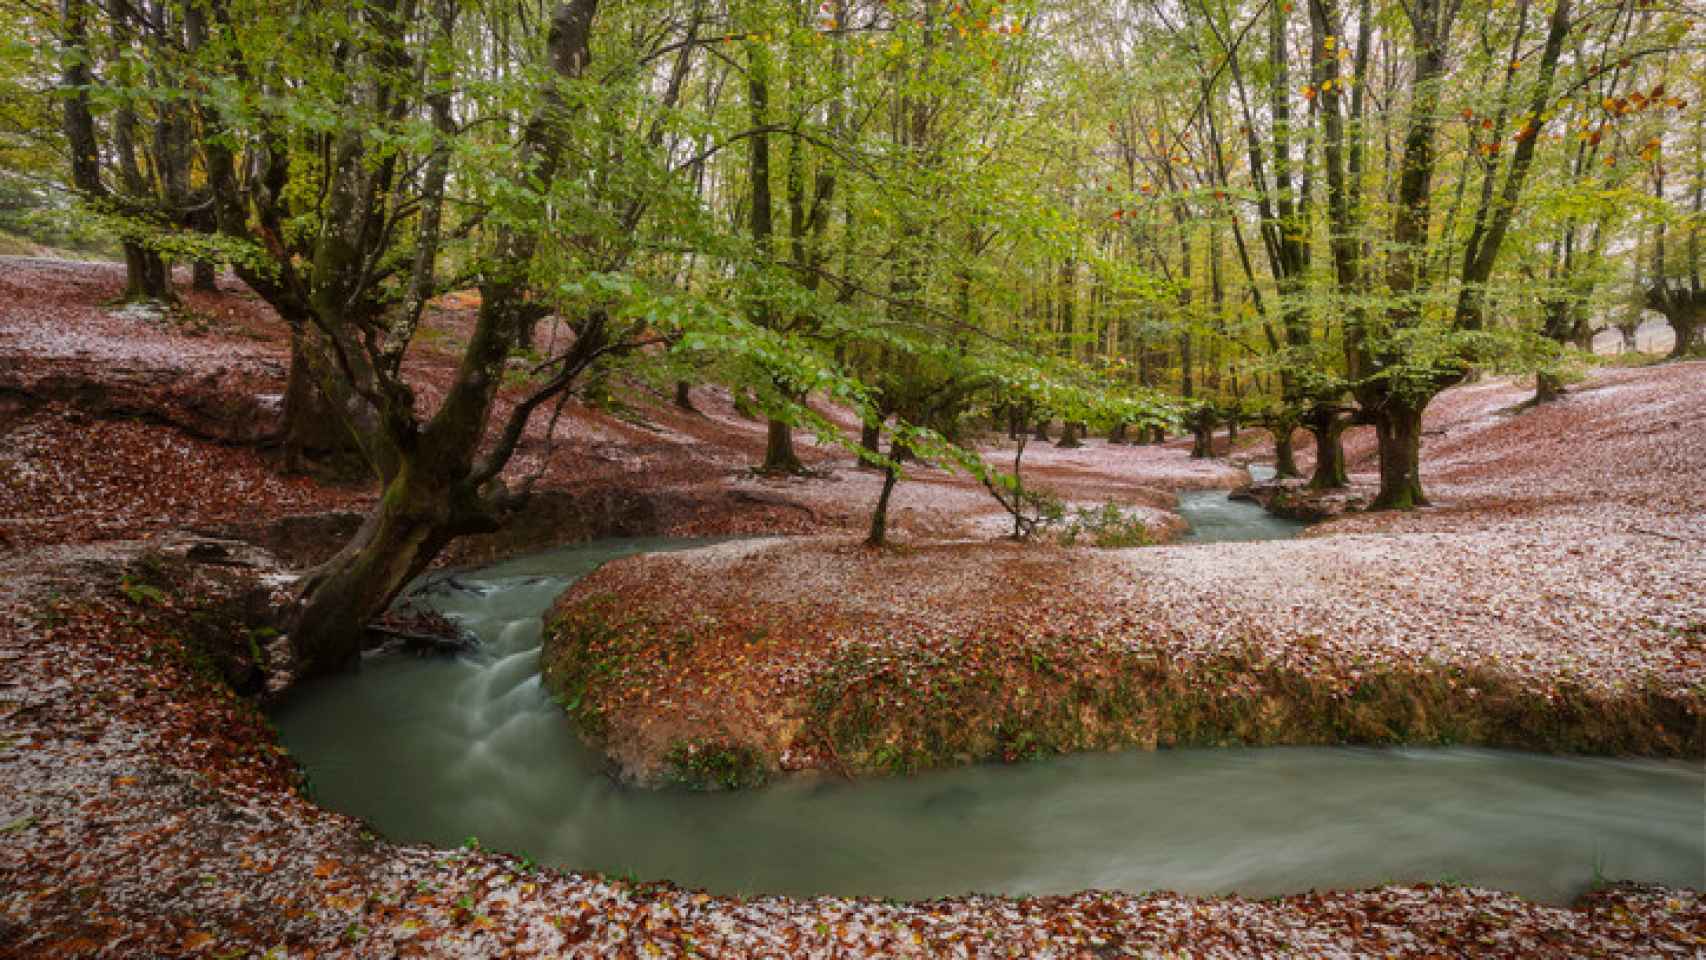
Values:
[(1107, 526)]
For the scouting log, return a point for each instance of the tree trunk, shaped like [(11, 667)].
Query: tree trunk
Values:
[(403, 534), (880, 517), (1202, 435), (1685, 323), (145, 274), (1328, 430), (314, 428), (779, 456), (1627, 342), (1042, 429), (870, 435), (1398, 428), (1285, 461), (1118, 434), (683, 398), (1069, 435), (204, 276), (1547, 387)]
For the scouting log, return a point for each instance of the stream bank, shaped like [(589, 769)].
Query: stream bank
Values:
[(722, 665), (474, 746)]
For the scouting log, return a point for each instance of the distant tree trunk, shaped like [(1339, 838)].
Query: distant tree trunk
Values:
[(1583, 337), (870, 439), (314, 427), (1327, 427), (1041, 432), (204, 276), (1561, 324), (779, 455), (878, 535), (1626, 337), (1398, 429), (1069, 438), (1118, 434), (1685, 322), (300, 395), (683, 398), (1284, 426), (1202, 434), (145, 274), (1285, 460)]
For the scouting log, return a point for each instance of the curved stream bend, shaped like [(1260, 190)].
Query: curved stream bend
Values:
[(441, 749)]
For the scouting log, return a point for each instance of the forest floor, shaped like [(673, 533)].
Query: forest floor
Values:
[(147, 810), (1548, 599), (85, 386)]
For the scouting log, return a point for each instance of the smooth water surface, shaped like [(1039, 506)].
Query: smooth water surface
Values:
[(1215, 519), (439, 750)]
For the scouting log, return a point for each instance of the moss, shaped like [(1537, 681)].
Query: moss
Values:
[(701, 764), (871, 712), (1036, 709), (576, 665)]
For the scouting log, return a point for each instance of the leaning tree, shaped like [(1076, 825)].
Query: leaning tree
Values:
[(364, 161)]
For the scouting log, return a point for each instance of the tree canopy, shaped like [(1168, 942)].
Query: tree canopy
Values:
[(1131, 215)]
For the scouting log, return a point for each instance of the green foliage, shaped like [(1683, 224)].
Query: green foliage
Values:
[(1106, 526), (140, 593)]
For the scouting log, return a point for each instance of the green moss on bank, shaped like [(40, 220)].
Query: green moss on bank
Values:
[(706, 764), (871, 712), (879, 723)]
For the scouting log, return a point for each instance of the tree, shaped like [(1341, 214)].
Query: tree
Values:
[(377, 102)]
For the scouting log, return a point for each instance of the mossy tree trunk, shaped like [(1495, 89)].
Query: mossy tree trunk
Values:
[(439, 474), (1398, 431), (1202, 433), (1283, 425), (1327, 425)]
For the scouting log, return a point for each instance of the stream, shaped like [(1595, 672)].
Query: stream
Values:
[(439, 750), (1214, 518)]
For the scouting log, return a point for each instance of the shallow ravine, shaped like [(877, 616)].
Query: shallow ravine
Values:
[(441, 750)]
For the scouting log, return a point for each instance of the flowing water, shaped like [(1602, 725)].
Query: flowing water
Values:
[(438, 750), (1214, 518)]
